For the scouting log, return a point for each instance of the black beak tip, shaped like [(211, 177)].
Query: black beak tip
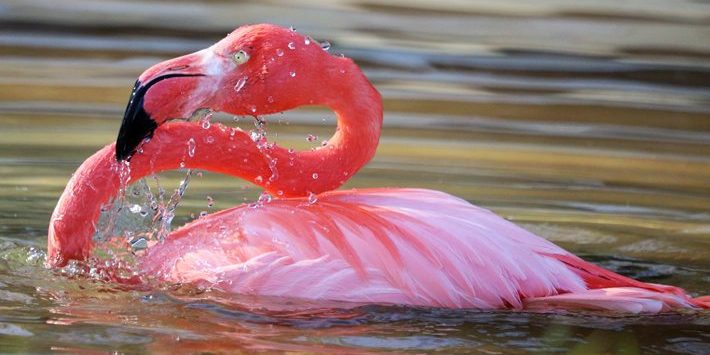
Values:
[(132, 133), (137, 125)]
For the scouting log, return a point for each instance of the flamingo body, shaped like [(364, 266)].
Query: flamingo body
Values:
[(401, 246), (396, 246)]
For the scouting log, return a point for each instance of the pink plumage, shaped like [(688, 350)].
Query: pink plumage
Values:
[(398, 246)]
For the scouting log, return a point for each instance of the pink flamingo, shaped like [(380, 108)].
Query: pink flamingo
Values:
[(396, 246)]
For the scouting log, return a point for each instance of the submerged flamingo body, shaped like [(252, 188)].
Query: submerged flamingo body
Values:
[(393, 246)]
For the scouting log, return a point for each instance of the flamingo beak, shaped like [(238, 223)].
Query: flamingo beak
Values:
[(137, 123)]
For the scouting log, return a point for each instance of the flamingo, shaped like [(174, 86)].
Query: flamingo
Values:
[(386, 246)]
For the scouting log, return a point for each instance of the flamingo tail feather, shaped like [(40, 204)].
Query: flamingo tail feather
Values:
[(614, 299), (611, 291)]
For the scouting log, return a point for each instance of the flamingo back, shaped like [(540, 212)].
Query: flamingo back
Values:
[(403, 246)]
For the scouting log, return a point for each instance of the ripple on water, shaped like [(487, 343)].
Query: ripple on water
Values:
[(14, 330), (415, 342)]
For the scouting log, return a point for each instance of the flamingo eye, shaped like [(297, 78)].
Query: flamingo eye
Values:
[(240, 57)]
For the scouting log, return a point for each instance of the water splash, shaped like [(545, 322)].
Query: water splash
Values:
[(258, 134), (167, 213), (122, 233), (123, 169)]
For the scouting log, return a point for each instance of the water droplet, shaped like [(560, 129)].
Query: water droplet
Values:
[(209, 139), (143, 213), (270, 99), (139, 244), (135, 209), (258, 179), (342, 71), (210, 202), (292, 74), (279, 52), (325, 45), (315, 176), (291, 150), (312, 198), (293, 29), (311, 138), (345, 173), (307, 41), (265, 197), (255, 136), (206, 124), (203, 214), (240, 84), (291, 45), (182, 164), (191, 146), (280, 192), (324, 143)]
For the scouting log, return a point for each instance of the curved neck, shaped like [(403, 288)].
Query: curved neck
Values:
[(221, 149)]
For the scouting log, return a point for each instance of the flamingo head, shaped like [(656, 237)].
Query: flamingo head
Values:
[(255, 70)]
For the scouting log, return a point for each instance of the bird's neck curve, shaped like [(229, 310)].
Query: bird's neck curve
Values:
[(217, 148)]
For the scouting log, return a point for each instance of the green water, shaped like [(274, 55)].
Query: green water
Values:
[(586, 122)]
